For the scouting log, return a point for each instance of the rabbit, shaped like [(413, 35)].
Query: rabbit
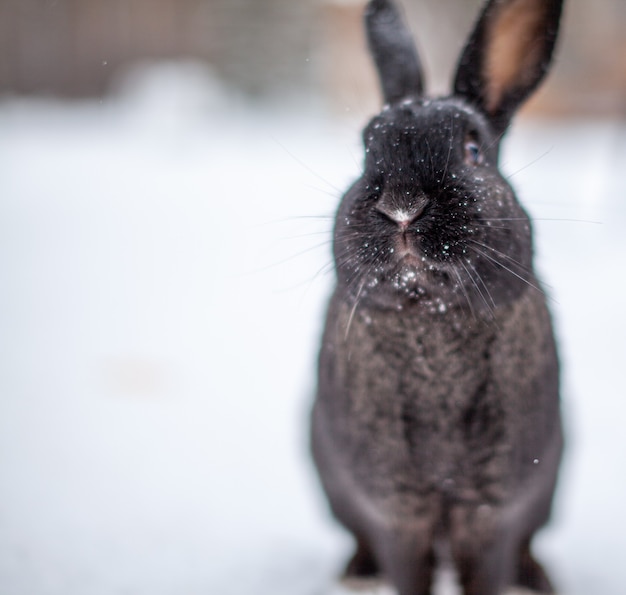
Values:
[(436, 428)]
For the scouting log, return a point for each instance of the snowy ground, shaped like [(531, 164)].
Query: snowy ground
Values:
[(162, 265)]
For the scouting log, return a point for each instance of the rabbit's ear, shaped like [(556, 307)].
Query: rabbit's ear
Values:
[(393, 50), (507, 55)]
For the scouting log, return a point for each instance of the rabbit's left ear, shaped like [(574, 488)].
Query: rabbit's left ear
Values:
[(507, 56), (394, 52)]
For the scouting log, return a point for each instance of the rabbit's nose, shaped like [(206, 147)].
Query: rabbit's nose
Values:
[(404, 212)]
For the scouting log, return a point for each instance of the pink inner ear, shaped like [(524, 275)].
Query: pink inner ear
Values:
[(514, 48)]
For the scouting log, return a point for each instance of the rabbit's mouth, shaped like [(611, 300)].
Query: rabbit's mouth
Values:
[(408, 257), (413, 270), (407, 275), (409, 279), (412, 277)]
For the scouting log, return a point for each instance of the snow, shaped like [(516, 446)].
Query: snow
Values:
[(165, 261)]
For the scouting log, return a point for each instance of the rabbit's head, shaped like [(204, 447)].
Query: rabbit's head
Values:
[(432, 219)]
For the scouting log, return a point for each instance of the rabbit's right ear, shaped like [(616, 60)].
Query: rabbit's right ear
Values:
[(393, 50), (507, 55)]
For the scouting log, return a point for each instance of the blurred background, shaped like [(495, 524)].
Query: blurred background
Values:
[(169, 170), (76, 48)]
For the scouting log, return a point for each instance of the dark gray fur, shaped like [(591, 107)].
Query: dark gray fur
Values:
[(437, 417)]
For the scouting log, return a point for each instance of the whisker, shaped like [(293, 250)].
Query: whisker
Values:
[(504, 255), (430, 157), (369, 263), (566, 220), (307, 235), (508, 177), (305, 166), (353, 311), (486, 226), (324, 270), (332, 194), (294, 218), (307, 283), (445, 169), (500, 264), (464, 291), (478, 290), (290, 258), (482, 282), (357, 273)]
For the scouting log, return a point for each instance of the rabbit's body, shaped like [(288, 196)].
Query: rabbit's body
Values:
[(449, 438), (445, 414), (437, 413)]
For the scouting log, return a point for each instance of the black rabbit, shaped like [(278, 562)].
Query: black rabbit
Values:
[(436, 425)]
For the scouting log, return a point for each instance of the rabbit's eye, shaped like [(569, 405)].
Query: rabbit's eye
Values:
[(473, 154)]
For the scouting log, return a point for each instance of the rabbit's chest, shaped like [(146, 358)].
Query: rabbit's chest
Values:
[(413, 394), (413, 369)]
